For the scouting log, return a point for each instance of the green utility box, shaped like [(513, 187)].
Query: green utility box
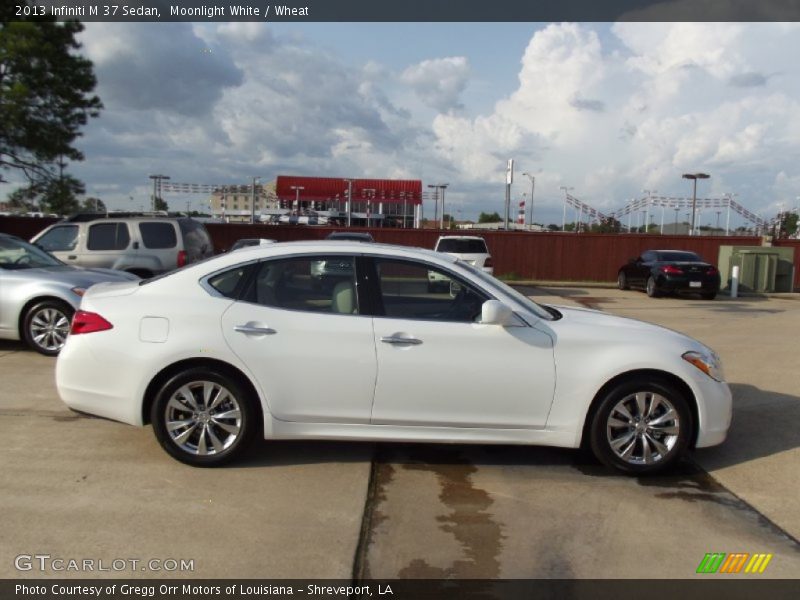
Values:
[(761, 269)]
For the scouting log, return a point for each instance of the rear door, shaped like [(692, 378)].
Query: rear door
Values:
[(309, 346), (105, 244)]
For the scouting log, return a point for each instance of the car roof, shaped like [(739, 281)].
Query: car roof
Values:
[(323, 246), (461, 237)]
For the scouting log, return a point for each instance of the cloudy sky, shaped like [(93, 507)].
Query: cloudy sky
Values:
[(607, 109)]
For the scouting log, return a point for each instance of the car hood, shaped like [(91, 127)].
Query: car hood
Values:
[(596, 324), (75, 276)]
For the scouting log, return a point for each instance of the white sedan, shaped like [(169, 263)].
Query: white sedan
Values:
[(245, 345)]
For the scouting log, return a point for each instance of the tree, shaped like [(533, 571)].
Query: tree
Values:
[(45, 93), (59, 196), (92, 204), (489, 218), (24, 199), (160, 204)]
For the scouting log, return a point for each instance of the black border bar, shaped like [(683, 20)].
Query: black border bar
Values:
[(416, 10)]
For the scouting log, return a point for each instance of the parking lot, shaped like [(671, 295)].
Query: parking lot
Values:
[(75, 487)]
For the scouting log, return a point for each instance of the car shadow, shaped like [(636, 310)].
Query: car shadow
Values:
[(764, 424), (13, 346)]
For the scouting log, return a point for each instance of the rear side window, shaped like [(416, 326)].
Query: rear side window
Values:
[(63, 237), (228, 283), (463, 246), (158, 235), (108, 236)]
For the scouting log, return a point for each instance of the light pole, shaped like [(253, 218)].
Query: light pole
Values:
[(349, 202), (253, 203), (564, 216), (694, 177), (297, 189), (439, 187), (530, 210), (157, 179), (647, 209)]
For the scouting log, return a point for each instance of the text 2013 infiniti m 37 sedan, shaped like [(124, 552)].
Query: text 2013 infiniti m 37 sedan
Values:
[(246, 345)]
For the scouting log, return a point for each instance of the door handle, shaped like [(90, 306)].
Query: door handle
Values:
[(72, 257), (391, 339), (252, 330)]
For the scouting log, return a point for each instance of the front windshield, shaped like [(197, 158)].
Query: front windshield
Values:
[(17, 254), (521, 299)]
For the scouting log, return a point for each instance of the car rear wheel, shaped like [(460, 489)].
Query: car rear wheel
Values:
[(641, 427), (652, 289), (203, 417), (46, 325), (622, 282)]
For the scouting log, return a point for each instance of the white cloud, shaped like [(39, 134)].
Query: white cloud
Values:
[(439, 82)]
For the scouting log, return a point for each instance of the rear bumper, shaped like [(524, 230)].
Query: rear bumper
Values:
[(686, 285)]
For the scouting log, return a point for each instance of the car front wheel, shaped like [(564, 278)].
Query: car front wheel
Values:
[(203, 417), (46, 326), (641, 427)]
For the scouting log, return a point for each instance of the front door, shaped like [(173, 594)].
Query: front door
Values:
[(437, 366)]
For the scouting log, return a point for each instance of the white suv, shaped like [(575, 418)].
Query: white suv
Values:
[(469, 248)]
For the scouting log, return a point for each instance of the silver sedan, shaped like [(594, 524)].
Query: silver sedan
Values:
[(39, 294)]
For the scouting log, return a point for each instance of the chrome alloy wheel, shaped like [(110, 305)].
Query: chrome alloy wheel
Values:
[(203, 418), (643, 428), (49, 328)]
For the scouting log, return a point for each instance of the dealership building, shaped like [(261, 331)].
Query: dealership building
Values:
[(324, 200)]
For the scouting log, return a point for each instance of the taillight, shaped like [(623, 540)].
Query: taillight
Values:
[(670, 270), (88, 322), (488, 262), (182, 258), (711, 270)]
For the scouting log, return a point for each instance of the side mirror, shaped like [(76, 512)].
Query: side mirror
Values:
[(494, 312)]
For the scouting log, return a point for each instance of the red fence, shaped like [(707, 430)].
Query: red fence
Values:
[(540, 256)]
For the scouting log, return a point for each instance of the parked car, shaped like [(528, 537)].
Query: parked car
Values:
[(248, 242), (39, 294), (353, 236), (469, 248), (145, 246), (244, 346), (670, 271)]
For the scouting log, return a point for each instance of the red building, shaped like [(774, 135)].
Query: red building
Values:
[(375, 202)]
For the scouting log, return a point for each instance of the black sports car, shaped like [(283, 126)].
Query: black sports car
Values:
[(670, 271)]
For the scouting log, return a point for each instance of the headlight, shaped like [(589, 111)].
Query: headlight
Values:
[(708, 362), (79, 291)]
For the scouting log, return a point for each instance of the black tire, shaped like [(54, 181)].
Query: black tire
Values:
[(673, 434), (652, 289), (202, 429), (46, 325), (709, 295), (622, 281)]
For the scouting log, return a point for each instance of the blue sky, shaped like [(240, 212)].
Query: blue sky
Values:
[(608, 109)]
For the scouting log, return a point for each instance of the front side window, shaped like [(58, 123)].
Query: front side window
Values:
[(321, 284), (61, 238), (108, 236), (158, 235), (411, 290)]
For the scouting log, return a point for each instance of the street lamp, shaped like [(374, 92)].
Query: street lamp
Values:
[(438, 187), (253, 203), (694, 177), (297, 189), (157, 179), (566, 195), (530, 210)]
